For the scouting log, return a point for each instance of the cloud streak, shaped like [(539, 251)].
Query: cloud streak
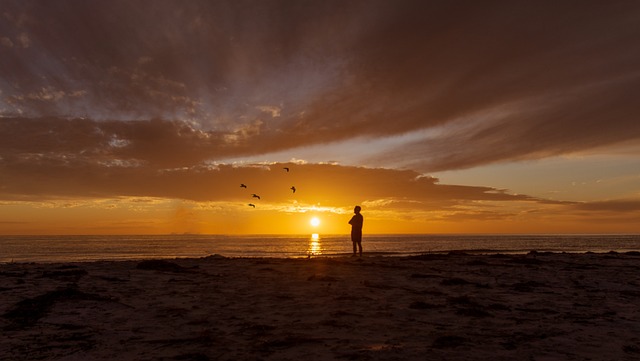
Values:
[(500, 80), (83, 158)]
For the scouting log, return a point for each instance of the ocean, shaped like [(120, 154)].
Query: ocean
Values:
[(95, 248)]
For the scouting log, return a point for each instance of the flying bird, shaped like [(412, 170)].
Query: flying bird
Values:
[(252, 205), (286, 168), (242, 185), (255, 196), (293, 189)]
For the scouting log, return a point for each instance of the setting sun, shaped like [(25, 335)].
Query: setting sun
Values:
[(315, 221)]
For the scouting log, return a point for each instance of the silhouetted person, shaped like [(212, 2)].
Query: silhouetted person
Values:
[(356, 230)]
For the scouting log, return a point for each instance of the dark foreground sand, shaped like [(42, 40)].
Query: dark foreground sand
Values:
[(432, 307)]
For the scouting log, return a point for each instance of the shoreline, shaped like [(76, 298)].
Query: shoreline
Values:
[(469, 252), (80, 248), (442, 306)]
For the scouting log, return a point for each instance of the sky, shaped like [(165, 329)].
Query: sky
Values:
[(145, 116)]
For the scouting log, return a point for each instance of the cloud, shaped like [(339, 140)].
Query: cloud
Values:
[(273, 110), (24, 40), (6, 42), (157, 142), (613, 206), (460, 84), (50, 157)]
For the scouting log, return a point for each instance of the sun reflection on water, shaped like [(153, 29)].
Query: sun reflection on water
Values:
[(315, 247)]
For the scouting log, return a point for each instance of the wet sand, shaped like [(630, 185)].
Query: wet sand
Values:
[(431, 307)]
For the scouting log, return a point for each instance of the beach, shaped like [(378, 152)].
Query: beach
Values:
[(456, 306)]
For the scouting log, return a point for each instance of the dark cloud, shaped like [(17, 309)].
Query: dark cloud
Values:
[(616, 206), (117, 162), (494, 81), (570, 122), (80, 141)]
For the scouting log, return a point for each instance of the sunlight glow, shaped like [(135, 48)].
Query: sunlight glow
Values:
[(315, 248), (315, 221)]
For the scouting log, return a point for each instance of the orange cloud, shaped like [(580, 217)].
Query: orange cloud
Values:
[(164, 104)]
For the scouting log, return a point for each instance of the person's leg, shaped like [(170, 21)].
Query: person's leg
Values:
[(357, 239)]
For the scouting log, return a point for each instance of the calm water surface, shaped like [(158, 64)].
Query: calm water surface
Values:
[(91, 248)]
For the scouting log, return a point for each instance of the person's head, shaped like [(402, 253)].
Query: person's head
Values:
[(357, 210)]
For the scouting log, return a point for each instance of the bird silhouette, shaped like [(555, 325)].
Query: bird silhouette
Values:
[(252, 205), (293, 189), (242, 185), (255, 196), (286, 168)]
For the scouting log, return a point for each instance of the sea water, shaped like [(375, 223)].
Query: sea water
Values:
[(93, 248)]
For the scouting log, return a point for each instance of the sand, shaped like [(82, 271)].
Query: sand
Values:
[(430, 307)]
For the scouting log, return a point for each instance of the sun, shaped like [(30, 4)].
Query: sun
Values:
[(315, 221)]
